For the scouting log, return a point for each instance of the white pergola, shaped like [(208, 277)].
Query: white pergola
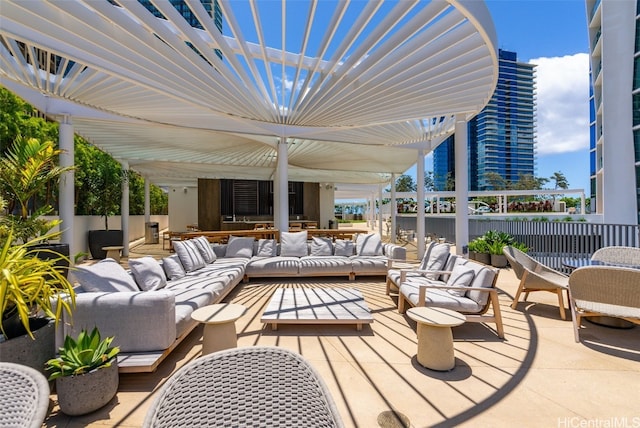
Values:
[(346, 91)]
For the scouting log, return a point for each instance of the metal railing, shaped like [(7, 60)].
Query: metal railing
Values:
[(550, 242)]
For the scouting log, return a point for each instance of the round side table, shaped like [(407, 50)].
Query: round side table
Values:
[(219, 325), (435, 340)]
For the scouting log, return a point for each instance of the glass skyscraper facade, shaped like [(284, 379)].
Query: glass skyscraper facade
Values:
[(502, 137)]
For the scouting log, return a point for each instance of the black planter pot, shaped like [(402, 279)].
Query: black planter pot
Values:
[(103, 238), (54, 251)]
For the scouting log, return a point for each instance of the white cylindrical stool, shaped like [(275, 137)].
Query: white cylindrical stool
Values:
[(219, 325), (435, 340)]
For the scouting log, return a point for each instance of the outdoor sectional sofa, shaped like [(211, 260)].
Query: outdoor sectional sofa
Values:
[(148, 309)]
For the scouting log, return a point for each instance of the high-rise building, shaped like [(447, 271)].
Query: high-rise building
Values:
[(502, 137), (211, 6), (614, 40)]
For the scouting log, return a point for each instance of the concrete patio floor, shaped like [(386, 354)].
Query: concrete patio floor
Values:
[(536, 377)]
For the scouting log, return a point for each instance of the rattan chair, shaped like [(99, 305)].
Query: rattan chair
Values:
[(618, 255), (534, 276), (24, 400), (604, 290), (241, 387)]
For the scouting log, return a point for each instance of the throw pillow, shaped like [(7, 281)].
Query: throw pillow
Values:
[(435, 259), (343, 248), (294, 244), (173, 268), (189, 255), (202, 243), (369, 245), (107, 275), (148, 273), (321, 246), (461, 276), (267, 248), (240, 247)]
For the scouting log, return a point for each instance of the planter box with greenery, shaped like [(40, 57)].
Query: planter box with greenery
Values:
[(86, 373)]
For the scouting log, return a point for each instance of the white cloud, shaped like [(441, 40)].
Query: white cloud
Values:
[(563, 103)]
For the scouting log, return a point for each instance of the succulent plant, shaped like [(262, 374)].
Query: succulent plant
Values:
[(83, 355)]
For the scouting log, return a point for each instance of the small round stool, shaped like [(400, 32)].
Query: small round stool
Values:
[(435, 340), (219, 325)]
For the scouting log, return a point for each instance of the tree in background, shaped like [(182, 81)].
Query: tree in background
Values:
[(19, 119), (560, 181)]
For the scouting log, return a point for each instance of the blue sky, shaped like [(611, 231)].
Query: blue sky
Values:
[(552, 34)]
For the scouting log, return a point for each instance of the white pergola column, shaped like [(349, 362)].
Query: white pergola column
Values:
[(394, 209), (372, 211), (281, 189), (462, 186), (380, 209), (147, 200), (420, 210), (66, 188), (124, 208)]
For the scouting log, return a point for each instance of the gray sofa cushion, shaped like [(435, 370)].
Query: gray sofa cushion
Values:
[(329, 265), (189, 254), (148, 273), (203, 245), (293, 244), (273, 266), (435, 258), (239, 247), (106, 275), (267, 248), (369, 245), (172, 267), (438, 297), (344, 248), (369, 265), (321, 246), (461, 276)]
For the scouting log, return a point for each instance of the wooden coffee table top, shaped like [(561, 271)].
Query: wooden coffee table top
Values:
[(317, 306)]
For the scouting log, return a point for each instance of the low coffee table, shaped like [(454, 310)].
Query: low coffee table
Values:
[(317, 306)]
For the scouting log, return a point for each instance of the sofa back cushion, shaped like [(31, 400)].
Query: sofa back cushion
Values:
[(173, 268), (321, 246), (267, 248), (203, 245), (344, 248), (148, 273), (239, 246), (484, 277), (435, 258), (189, 255), (461, 276), (369, 245), (293, 244), (107, 275)]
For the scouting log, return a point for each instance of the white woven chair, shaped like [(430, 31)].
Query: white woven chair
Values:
[(534, 276), (241, 387), (604, 290), (24, 400)]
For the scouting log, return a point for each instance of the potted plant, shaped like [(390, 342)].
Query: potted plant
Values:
[(479, 250), (496, 241), (105, 184), (33, 296), (27, 170), (86, 373)]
